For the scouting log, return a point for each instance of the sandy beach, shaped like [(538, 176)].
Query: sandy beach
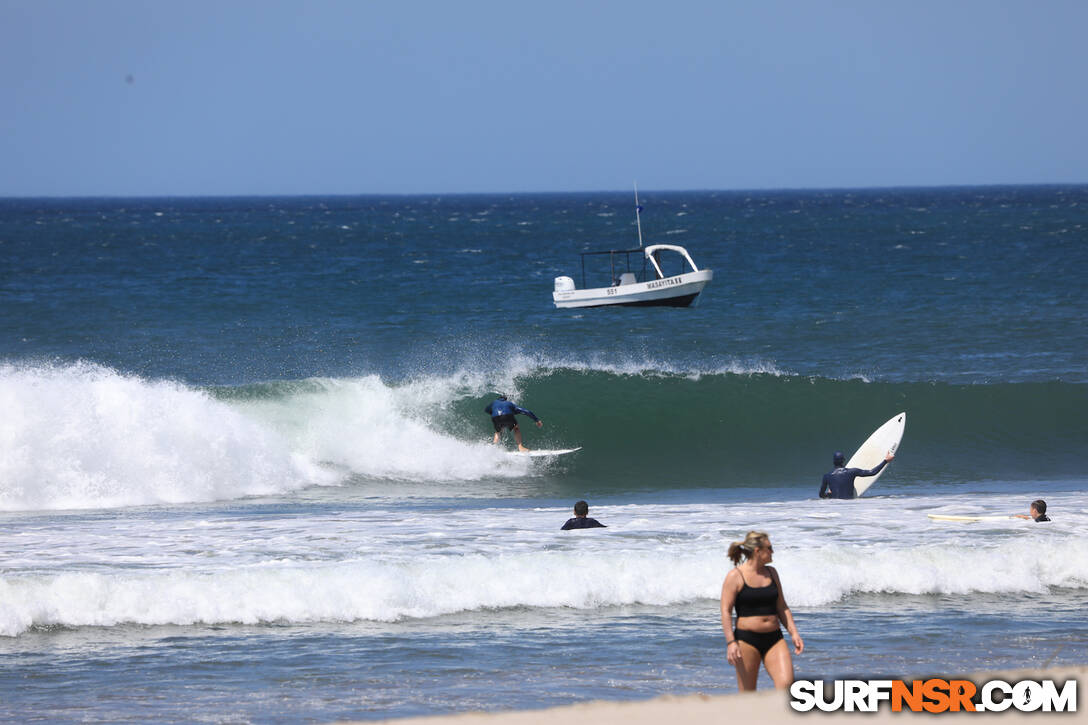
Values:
[(767, 706)]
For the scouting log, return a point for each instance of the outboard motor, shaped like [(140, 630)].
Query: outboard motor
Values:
[(564, 284)]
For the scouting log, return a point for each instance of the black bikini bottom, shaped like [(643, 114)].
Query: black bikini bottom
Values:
[(762, 641)]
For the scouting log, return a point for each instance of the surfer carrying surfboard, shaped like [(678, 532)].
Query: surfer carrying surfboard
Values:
[(839, 482), (755, 591), (502, 413)]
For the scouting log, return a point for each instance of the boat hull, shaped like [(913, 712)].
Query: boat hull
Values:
[(678, 291)]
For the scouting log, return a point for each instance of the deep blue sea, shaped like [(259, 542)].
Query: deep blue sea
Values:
[(245, 472)]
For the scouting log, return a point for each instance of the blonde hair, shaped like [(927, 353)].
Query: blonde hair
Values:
[(754, 540)]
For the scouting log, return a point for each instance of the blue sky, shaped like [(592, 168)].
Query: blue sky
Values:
[(135, 97)]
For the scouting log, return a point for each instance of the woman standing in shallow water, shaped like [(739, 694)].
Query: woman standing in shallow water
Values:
[(753, 588)]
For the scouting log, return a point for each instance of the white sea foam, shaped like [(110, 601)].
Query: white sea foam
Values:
[(388, 565), (83, 436), (382, 430), (427, 586)]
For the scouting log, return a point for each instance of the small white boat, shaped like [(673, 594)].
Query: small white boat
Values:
[(642, 283), (650, 287)]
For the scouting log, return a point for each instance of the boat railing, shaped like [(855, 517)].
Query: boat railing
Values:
[(643, 268), (619, 262)]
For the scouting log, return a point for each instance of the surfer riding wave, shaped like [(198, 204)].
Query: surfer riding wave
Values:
[(503, 413)]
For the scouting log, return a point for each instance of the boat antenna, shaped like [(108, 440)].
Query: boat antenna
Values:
[(638, 216)]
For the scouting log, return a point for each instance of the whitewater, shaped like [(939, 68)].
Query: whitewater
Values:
[(260, 565), (316, 502)]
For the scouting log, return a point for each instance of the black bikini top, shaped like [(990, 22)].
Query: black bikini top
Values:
[(756, 601)]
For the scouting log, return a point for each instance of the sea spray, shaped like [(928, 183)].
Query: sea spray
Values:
[(84, 436), (376, 429)]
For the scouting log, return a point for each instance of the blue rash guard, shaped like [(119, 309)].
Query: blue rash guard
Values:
[(840, 482), (497, 408)]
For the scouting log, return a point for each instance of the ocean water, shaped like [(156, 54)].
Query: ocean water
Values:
[(245, 473)]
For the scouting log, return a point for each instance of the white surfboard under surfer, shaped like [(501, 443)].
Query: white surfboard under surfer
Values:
[(503, 417)]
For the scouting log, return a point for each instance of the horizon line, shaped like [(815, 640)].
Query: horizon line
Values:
[(312, 195)]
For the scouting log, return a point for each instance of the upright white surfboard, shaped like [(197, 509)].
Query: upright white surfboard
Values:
[(883, 441)]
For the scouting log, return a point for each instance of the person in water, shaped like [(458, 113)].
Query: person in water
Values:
[(753, 588), (502, 413), (581, 519), (839, 482), (1036, 511)]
